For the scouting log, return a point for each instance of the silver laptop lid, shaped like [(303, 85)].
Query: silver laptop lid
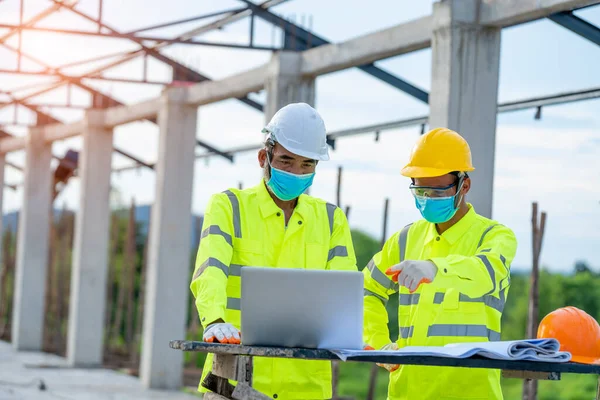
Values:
[(302, 308)]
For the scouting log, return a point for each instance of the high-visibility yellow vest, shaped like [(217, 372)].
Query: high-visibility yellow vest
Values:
[(246, 228), (464, 303)]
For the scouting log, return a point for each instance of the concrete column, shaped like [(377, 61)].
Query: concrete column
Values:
[(285, 85), (32, 246), (464, 92), (167, 290), (90, 250)]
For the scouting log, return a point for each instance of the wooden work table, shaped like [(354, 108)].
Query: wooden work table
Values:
[(235, 362)]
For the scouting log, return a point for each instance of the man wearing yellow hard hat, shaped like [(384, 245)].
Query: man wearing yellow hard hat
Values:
[(451, 271)]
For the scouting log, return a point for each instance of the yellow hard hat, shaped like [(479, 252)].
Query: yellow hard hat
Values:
[(438, 152)]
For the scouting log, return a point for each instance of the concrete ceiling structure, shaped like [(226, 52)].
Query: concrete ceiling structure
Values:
[(464, 36)]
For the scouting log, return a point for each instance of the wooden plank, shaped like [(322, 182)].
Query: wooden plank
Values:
[(225, 366), (213, 396), (374, 357), (218, 385), (243, 391), (245, 369)]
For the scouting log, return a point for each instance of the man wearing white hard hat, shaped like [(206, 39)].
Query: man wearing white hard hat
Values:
[(273, 224)]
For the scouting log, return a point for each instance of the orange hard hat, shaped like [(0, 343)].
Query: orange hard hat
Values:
[(577, 332)]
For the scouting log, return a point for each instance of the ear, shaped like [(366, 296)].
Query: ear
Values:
[(466, 186), (262, 157)]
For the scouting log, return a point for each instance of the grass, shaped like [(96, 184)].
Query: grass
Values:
[(354, 382)]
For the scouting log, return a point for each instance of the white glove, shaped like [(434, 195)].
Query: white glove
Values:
[(411, 273), (222, 333)]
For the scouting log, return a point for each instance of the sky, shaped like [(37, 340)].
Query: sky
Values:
[(554, 161)]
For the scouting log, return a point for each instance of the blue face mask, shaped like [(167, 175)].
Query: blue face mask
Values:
[(436, 209), (287, 186)]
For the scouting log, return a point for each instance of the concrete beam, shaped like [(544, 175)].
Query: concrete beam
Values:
[(9, 144), (401, 39), (129, 113), (512, 12), (235, 86), (464, 92), (85, 343), (60, 131), (165, 309), (285, 84), (32, 246)]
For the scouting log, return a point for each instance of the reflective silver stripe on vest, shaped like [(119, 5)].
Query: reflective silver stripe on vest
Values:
[(406, 331), (402, 239), (409, 299), (211, 262), (235, 205), (463, 330), (330, 214), (439, 298), (216, 230), (367, 292), (381, 278), (491, 272), (485, 233), (233, 303), (235, 269), (488, 300), (337, 251), (503, 297), (503, 259)]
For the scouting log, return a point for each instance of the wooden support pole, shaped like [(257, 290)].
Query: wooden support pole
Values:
[(385, 221), (374, 367), (530, 386), (335, 367), (51, 325), (140, 305), (339, 187), (372, 382), (131, 260), (114, 234), (7, 272)]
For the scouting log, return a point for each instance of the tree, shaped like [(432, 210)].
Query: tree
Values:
[(365, 247), (582, 267)]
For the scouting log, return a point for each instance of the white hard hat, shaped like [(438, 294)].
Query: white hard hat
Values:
[(300, 129)]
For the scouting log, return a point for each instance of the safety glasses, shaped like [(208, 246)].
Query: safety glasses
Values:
[(434, 192)]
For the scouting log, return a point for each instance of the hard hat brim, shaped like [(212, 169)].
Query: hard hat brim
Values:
[(298, 152), (585, 360), (427, 172)]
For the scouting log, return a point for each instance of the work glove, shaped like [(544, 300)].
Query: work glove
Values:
[(411, 273), (387, 347), (222, 333)]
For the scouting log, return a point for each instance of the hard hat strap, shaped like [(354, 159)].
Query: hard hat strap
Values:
[(458, 198)]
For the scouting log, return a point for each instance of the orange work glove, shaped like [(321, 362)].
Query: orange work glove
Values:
[(222, 333)]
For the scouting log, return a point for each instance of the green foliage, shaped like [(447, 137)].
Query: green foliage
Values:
[(365, 247)]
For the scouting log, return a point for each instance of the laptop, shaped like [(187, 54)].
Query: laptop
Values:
[(305, 308)]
